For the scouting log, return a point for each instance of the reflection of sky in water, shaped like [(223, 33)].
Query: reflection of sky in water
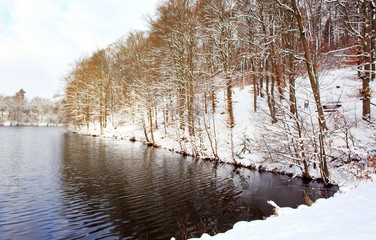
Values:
[(29, 181), (61, 185)]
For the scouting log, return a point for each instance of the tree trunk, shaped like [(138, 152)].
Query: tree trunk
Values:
[(270, 96), (151, 125), (190, 109), (213, 99), (367, 65), (324, 171), (254, 87), (145, 131), (231, 121), (292, 96), (190, 87), (311, 68), (373, 39), (165, 119), (313, 78), (181, 106)]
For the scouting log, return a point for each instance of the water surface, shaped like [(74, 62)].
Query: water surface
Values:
[(59, 185)]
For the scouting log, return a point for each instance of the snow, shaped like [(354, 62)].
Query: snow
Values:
[(346, 215), (253, 132)]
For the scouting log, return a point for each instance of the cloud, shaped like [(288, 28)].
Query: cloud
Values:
[(40, 38)]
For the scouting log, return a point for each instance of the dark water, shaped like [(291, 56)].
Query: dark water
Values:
[(57, 185)]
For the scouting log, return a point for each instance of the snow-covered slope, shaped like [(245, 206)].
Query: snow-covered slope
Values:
[(347, 215), (257, 142), (350, 148)]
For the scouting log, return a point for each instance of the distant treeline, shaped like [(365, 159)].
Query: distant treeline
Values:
[(16, 110)]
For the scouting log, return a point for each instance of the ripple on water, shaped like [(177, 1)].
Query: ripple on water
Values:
[(56, 185)]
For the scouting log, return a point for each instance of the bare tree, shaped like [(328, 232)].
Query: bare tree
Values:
[(360, 21)]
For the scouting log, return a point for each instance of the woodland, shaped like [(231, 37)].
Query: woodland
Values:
[(178, 81)]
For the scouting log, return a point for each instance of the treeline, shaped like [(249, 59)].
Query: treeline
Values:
[(195, 50), (18, 111)]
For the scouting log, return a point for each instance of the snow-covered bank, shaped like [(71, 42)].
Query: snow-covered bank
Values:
[(347, 215), (255, 142)]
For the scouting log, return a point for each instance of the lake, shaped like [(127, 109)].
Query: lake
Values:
[(60, 185)]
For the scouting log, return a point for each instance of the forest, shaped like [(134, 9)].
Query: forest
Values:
[(17, 110), (182, 83)]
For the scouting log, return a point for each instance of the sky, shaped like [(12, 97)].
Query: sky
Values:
[(41, 39)]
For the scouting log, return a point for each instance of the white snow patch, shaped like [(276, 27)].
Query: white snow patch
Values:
[(347, 215)]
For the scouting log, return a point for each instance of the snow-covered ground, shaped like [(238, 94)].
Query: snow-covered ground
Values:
[(255, 139), (350, 144), (346, 215)]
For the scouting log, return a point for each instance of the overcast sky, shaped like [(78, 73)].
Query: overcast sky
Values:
[(39, 39)]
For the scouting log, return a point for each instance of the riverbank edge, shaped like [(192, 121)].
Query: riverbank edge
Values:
[(257, 166), (259, 229), (342, 188)]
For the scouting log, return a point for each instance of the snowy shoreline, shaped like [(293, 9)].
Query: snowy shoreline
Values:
[(352, 207), (350, 151), (260, 167), (349, 214), (254, 142)]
